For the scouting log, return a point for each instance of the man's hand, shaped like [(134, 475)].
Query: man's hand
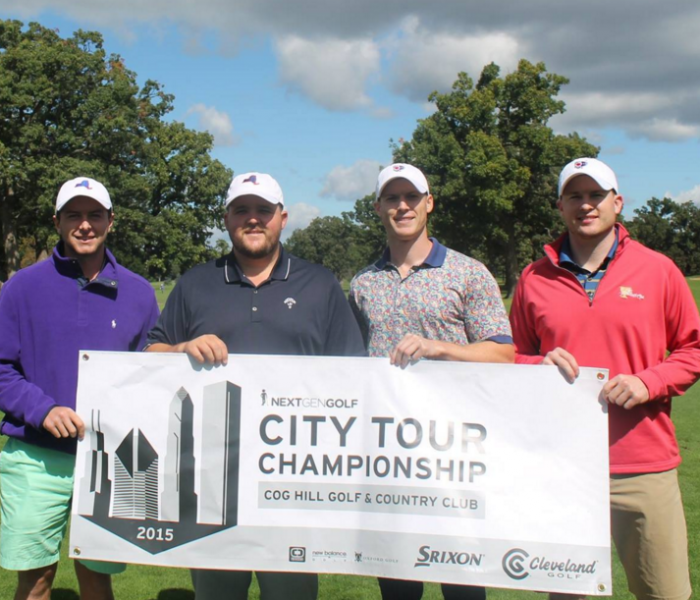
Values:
[(63, 422), (207, 349), (626, 391), (566, 362), (411, 349)]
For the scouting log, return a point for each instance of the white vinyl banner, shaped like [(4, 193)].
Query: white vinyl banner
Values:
[(485, 474)]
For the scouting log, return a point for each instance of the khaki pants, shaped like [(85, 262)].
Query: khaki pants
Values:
[(648, 526)]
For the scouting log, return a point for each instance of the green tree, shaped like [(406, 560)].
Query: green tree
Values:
[(342, 244), (334, 242), (652, 225), (69, 109), (222, 247), (493, 163), (368, 232), (670, 228)]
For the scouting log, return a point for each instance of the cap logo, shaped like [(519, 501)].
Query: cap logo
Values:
[(579, 164), (398, 167), (252, 179), (84, 183)]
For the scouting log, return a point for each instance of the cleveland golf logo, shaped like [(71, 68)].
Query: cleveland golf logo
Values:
[(513, 564), (517, 564)]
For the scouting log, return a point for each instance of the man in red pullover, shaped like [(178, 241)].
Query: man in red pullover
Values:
[(600, 299)]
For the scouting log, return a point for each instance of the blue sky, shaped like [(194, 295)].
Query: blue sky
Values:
[(312, 91)]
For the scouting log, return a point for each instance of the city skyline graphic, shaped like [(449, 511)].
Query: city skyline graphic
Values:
[(153, 503)]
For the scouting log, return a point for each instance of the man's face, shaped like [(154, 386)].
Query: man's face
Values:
[(589, 212), (83, 224), (403, 210), (255, 226)]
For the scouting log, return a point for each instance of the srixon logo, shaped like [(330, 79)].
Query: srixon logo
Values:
[(428, 557)]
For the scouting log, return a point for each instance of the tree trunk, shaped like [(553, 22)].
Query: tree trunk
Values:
[(9, 238)]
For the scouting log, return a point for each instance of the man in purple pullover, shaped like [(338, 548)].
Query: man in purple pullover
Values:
[(78, 299)]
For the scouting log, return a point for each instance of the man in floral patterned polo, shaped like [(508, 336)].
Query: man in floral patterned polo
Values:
[(423, 300)]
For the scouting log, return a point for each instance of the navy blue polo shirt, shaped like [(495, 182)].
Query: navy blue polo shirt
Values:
[(301, 310)]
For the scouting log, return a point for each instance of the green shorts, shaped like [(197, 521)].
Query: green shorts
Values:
[(36, 485)]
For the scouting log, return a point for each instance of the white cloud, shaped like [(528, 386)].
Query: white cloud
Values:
[(636, 112), (692, 195), (300, 215), (331, 72), (613, 150), (597, 108), (642, 78), (381, 112), (217, 234), (425, 60), (216, 122), (665, 130), (353, 182)]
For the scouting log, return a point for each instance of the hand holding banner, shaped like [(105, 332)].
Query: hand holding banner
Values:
[(479, 474)]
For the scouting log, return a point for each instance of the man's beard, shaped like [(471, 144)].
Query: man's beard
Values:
[(266, 249)]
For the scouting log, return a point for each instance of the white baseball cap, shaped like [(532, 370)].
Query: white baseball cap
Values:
[(255, 184), (85, 187), (594, 168), (403, 171)]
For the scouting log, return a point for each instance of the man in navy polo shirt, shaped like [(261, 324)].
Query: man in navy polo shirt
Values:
[(257, 300), (422, 300), (79, 299)]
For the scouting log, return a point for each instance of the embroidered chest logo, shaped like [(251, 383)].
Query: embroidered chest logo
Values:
[(114, 324), (626, 292), (290, 302)]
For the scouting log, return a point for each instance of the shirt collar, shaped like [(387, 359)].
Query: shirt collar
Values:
[(71, 268), (566, 254), (435, 258), (233, 273)]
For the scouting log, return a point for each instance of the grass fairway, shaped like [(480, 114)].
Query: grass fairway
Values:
[(162, 295), (154, 583)]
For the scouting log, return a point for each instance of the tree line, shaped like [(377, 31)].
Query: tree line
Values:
[(493, 164), (67, 108)]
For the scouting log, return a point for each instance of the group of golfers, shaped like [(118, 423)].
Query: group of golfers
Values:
[(597, 298)]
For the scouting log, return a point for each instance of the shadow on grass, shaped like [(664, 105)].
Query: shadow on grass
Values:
[(63, 594), (176, 594)]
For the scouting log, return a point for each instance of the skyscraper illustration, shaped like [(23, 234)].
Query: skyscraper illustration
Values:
[(134, 494), (221, 420), (178, 500), (135, 478), (96, 485)]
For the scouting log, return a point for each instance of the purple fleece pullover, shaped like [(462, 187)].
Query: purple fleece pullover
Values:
[(48, 312)]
